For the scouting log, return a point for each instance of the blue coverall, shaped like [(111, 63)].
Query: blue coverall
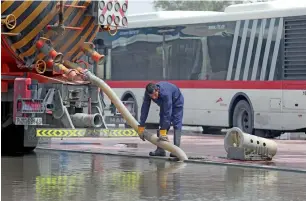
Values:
[(171, 103)]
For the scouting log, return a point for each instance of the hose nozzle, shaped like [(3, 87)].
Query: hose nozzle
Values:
[(44, 45), (88, 49)]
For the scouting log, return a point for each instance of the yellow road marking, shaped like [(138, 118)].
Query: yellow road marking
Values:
[(56, 132)]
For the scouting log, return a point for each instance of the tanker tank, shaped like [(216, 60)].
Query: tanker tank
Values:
[(37, 37), (65, 25)]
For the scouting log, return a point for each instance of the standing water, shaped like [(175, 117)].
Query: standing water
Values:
[(62, 176)]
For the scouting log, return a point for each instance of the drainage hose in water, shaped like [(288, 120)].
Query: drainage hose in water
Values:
[(131, 120)]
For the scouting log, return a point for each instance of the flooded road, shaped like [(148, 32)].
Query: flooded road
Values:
[(59, 176)]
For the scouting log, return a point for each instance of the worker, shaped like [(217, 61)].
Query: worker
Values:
[(171, 102)]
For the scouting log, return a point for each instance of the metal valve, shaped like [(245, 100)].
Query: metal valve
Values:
[(9, 21), (40, 66)]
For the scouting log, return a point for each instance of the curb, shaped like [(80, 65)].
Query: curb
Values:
[(207, 162)]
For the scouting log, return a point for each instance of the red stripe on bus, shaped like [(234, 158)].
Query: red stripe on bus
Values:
[(211, 84)]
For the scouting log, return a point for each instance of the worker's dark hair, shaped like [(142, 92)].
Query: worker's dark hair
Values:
[(150, 88)]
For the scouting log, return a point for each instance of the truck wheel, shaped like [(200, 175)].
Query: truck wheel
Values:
[(243, 117), (30, 140), (12, 140), (28, 149)]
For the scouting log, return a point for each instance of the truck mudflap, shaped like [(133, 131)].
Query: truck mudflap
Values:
[(84, 132)]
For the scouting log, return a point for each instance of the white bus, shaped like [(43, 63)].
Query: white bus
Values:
[(243, 67)]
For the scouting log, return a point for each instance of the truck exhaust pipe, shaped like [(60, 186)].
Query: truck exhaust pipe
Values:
[(81, 120)]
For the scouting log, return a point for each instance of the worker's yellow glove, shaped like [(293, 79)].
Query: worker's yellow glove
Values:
[(163, 132), (163, 135), (140, 129), (140, 132)]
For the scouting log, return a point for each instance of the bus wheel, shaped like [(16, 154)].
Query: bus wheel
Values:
[(243, 117), (130, 109)]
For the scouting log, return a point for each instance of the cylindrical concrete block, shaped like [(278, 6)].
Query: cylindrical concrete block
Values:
[(235, 137)]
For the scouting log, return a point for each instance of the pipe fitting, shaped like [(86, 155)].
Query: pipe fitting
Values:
[(70, 74), (81, 120), (40, 66), (88, 49), (73, 66), (48, 50)]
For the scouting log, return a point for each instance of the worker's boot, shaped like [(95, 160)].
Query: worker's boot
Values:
[(159, 151), (176, 139)]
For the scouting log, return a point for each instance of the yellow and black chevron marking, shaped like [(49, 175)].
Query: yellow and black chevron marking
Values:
[(62, 132)]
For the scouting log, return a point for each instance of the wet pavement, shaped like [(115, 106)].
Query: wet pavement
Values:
[(291, 154), (58, 175)]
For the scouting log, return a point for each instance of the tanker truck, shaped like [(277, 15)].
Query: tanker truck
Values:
[(46, 84), (43, 76)]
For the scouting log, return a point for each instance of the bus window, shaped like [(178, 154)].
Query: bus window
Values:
[(203, 51), (155, 53), (266, 50), (134, 55)]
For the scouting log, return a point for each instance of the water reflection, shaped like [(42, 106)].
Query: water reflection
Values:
[(18, 176), (162, 182), (72, 176)]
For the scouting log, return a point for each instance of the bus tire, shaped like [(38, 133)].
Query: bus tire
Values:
[(243, 117)]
